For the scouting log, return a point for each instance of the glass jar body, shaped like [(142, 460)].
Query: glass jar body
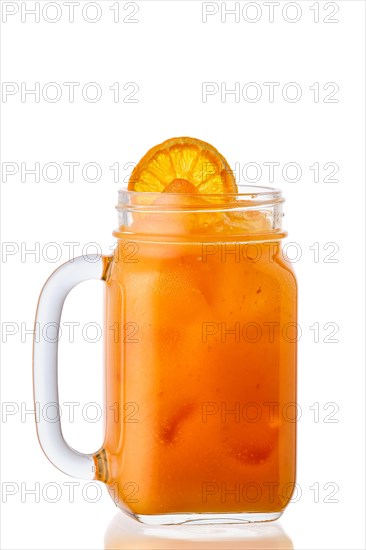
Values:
[(200, 359)]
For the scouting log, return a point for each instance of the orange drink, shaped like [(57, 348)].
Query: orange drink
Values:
[(200, 354)]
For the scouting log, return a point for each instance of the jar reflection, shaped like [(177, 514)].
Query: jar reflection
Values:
[(124, 533)]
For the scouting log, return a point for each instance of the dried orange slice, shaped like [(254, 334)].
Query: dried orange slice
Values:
[(181, 165)]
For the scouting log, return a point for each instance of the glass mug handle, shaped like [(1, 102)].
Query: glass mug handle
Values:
[(45, 362)]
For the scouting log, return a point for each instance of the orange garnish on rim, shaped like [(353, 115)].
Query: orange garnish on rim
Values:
[(183, 165)]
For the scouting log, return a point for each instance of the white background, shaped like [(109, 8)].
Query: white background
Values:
[(169, 53)]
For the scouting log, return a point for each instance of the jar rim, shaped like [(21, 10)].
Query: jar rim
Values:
[(247, 197), (254, 212)]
